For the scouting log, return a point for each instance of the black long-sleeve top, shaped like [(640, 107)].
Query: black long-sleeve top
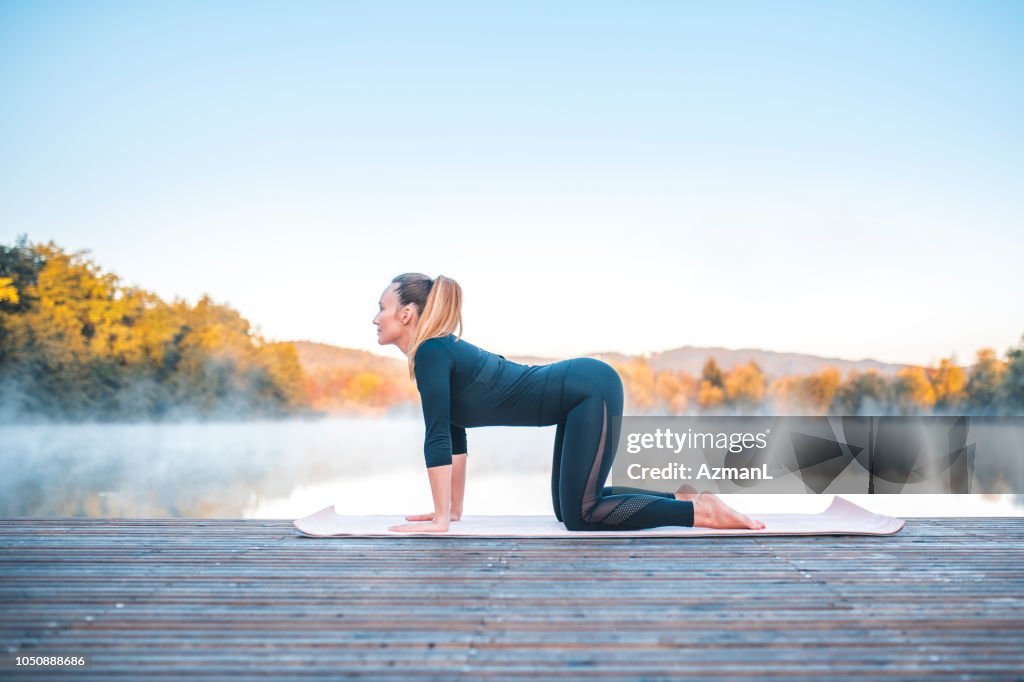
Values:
[(462, 385), (444, 366)]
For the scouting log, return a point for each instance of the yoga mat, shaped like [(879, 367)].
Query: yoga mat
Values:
[(841, 518)]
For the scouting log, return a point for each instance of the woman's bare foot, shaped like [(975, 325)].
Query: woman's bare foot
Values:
[(710, 512)]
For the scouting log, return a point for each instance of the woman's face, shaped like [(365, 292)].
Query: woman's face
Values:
[(392, 321)]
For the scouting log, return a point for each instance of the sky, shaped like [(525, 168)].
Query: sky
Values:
[(842, 179)]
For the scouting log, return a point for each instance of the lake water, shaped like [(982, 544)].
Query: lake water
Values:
[(288, 469)]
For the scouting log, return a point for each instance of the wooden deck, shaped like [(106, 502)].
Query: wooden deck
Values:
[(233, 599)]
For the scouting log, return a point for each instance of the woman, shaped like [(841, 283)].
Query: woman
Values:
[(463, 386)]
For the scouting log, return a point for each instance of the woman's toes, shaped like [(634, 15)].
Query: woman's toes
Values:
[(712, 512)]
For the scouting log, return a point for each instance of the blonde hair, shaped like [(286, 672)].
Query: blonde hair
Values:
[(439, 304)]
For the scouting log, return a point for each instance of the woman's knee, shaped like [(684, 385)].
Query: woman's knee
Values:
[(575, 523)]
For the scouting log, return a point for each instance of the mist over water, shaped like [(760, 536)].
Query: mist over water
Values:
[(291, 468), (224, 469)]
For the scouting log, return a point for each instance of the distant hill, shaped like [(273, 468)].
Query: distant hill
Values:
[(691, 359), (315, 357), (321, 356)]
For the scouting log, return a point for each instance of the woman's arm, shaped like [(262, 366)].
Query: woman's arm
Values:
[(434, 365), (458, 489), (448, 485), (459, 453), (458, 485), (441, 488)]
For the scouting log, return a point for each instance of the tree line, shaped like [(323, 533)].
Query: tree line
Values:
[(75, 343), (990, 387)]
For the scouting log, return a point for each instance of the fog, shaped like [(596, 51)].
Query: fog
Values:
[(290, 468)]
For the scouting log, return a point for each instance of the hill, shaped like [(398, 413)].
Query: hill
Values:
[(316, 357), (691, 359)]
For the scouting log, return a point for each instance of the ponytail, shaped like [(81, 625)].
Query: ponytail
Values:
[(440, 315)]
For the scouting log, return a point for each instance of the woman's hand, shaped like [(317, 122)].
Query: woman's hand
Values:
[(430, 517), (429, 527), (441, 489)]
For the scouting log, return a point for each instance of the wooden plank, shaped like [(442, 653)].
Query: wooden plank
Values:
[(213, 599)]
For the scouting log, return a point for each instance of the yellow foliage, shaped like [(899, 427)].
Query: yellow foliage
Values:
[(785, 392), (92, 343), (637, 383), (745, 384), (949, 381), (672, 389), (989, 361), (817, 390), (7, 290), (710, 396), (362, 387), (917, 390), (811, 393)]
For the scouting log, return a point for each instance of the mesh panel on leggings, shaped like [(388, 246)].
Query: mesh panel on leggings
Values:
[(629, 507)]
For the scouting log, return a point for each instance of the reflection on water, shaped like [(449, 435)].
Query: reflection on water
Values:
[(287, 469)]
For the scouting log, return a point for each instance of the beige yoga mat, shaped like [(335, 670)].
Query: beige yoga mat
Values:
[(841, 518)]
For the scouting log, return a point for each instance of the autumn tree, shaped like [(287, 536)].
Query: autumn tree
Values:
[(983, 382), (75, 343), (674, 390), (913, 391), (949, 381), (812, 393), (1011, 385), (784, 392), (862, 391), (709, 396), (745, 385), (712, 373)]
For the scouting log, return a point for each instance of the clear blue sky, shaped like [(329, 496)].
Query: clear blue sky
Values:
[(823, 177)]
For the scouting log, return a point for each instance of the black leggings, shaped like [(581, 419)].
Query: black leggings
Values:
[(585, 443)]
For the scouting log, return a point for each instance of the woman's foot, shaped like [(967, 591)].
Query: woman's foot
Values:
[(710, 512)]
